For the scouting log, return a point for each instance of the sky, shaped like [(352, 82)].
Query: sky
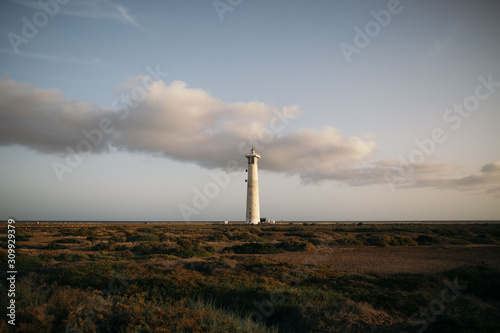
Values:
[(143, 110)]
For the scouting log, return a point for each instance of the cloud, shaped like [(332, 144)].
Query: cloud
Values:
[(485, 179), (94, 9), (42, 119), (446, 177), (124, 12), (316, 154), (190, 125), (69, 59), (178, 122)]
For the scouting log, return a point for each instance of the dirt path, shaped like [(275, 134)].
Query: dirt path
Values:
[(421, 259)]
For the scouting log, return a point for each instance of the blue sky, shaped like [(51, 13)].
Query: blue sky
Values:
[(382, 133)]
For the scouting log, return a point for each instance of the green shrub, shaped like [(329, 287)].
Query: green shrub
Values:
[(187, 248), (147, 230), (167, 238), (254, 248), (463, 324), (351, 241), (124, 254), (400, 240), (149, 248), (218, 237), (67, 240), (22, 261), (22, 237), (245, 237), (482, 280), (117, 239), (306, 234), (27, 261), (72, 257), (121, 247), (485, 239), (47, 257), (91, 239), (296, 246), (376, 240), (137, 238), (429, 240), (104, 246), (55, 246), (85, 232)]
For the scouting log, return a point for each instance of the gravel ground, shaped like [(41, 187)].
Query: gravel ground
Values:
[(395, 259)]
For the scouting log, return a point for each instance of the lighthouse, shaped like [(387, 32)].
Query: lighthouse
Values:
[(253, 208)]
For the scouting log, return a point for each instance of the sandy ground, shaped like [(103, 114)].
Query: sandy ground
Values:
[(411, 259)]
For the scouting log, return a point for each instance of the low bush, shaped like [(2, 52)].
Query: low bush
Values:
[(72, 257), (402, 240), (121, 247), (68, 240), (481, 280), (376, 240), (485, 239), (104, 246), (218, 237), (296, 246), (22, 261), (254, 248), (85, 232), (137, 238), (147, 230), (187, 248), (47, 257), (429, 240), (148, 287), (149, 248), (463, 324), (351, 241), (55, 246), (22, 237), (117, 239)]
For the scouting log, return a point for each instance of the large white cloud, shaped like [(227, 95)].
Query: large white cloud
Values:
[(42, 119), (179, 122), (191, 125)]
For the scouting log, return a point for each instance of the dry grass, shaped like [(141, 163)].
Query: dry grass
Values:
[(170, 278)]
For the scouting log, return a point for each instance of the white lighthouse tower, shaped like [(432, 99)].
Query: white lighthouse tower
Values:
[(253, 208)]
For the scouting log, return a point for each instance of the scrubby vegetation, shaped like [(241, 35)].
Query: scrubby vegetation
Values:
[(254, 248), (216, 278)]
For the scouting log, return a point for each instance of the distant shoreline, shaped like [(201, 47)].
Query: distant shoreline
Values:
[(277, 222)]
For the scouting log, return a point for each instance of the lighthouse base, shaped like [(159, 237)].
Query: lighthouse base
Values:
[(253, 221)]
